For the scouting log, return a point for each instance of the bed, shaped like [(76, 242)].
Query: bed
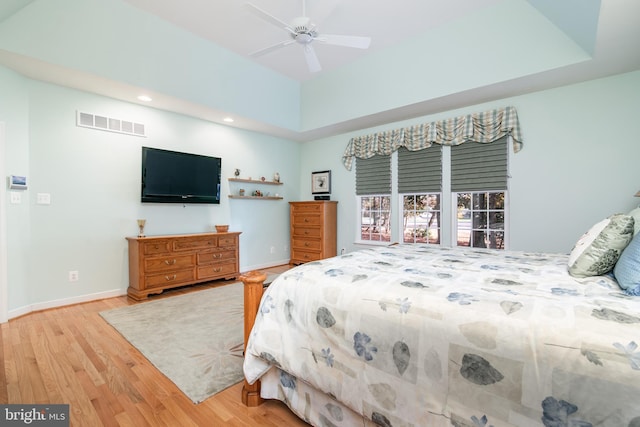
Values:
[(420, 335)]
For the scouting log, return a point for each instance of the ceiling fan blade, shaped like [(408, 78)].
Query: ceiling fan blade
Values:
[(268, 49), (312, 59), (348, 41), (269, 18)]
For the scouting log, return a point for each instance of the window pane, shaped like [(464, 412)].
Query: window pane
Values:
[(479, 239), (496, 200), (496, 220), (496, 240), (479, 201), (480, 220)]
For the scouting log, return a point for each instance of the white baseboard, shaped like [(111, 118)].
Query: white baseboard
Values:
[(108, 294), (65, 301), (266, 265)]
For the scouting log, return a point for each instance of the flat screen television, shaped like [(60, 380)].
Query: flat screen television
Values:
[(175, 177)]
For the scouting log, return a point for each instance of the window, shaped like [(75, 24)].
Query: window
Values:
[(421, 218), (419, 186), (480, 219), (375, 217), (479, 183), (373, 189)]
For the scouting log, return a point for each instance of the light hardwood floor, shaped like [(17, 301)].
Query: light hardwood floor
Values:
[(71, 355)]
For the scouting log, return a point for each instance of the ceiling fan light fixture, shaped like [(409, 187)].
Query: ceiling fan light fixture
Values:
[(303, 38)]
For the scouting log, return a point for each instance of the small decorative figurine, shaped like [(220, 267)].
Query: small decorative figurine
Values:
[(276, 177), (141, 224)]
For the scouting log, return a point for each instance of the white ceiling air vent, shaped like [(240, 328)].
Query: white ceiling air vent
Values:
[(111, 124)]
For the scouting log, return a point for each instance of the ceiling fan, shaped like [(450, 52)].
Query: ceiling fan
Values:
[(302, 31)]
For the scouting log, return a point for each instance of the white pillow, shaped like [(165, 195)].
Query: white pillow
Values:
[(598, 250)]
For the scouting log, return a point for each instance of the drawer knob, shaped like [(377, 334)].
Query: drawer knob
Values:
[(170, 278), (170, 262), (306, 243), (306, 220)]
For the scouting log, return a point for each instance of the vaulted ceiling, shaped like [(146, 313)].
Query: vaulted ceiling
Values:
[(425, 56)]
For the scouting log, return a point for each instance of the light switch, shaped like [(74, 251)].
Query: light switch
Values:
[(43, 199), (16, 198)]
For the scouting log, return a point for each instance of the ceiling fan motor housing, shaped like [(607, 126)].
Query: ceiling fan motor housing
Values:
[(304, 29)]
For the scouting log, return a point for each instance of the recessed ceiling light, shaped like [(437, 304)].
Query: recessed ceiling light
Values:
[(228, 119), (145, 98)]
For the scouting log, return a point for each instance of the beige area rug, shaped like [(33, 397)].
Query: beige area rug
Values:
[(196, 340)]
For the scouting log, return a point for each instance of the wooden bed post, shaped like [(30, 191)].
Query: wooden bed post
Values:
[(253, 288)]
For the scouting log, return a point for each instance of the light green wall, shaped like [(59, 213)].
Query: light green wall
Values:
[(578, 164), (93, 178), (495, 45), (117, 41), (14, 111)]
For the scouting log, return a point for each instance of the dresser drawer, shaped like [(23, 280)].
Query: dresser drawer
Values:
[(307, 219), (216, 270), (301, 208), (305, 256), (308, 244), (172, 278), (227, 241), (189, 244), (156, 247), (211, 257), (299, 231), (168, 263)]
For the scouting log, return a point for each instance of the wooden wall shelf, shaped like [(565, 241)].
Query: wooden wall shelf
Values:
[(255, 181), (231, 196)]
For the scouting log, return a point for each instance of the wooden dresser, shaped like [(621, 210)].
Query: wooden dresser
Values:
[(313, 230), (157, 263)]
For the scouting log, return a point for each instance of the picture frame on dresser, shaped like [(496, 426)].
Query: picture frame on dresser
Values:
[(321, 182)]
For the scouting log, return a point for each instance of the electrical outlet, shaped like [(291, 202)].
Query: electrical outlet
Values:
[(73, 276), (273, 249), (342, 251)]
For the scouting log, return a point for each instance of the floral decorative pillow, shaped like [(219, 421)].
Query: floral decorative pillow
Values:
[(598, 250), (627, 269)]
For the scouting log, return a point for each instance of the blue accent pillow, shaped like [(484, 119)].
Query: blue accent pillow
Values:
[(627, 269)]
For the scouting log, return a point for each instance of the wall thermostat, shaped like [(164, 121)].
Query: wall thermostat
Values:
[(17, 182)]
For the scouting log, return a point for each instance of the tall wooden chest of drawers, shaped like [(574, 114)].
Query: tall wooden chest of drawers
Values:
[(313, 228), (157, 263)]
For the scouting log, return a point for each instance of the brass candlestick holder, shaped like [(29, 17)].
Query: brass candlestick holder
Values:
[(141, 224)]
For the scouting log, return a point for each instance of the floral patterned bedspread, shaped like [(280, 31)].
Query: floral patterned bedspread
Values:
[(414, 335)]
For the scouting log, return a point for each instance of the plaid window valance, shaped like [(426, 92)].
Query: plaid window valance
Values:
[(483, 127)]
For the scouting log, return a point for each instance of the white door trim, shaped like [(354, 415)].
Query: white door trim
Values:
[(4, 294)]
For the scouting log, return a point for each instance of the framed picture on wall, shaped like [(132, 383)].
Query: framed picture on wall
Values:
[(321, 182)]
